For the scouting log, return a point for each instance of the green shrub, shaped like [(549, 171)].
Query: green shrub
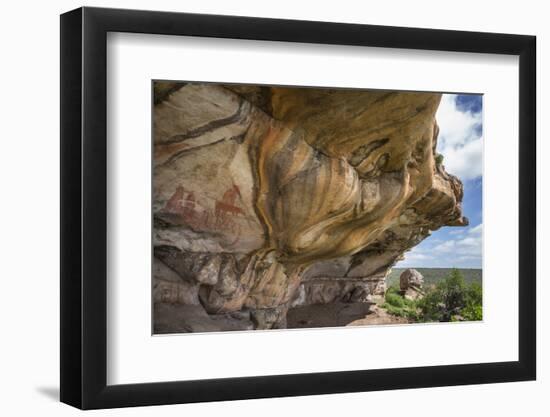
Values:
[(400, 306), (472, 313), (474, 298), (395, 300), (474, 294)]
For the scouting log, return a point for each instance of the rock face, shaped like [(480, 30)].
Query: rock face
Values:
[(410, 278), (271, 197), (410, 284)]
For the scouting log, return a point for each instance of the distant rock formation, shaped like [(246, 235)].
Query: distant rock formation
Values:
[(270, 197), (410, 278), (410, 284)]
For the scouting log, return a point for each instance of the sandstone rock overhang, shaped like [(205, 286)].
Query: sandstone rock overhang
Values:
[(270, 197)]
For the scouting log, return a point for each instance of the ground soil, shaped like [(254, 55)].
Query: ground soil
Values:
[(339, 314)]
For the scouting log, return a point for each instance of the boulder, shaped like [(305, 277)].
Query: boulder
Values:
[(410, 278)]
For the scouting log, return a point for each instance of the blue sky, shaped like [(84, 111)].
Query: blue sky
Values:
[(460, 141)]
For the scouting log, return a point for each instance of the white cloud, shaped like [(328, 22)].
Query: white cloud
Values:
[(465, 162), (459, 140), (466, 246), (476, 230), (416, 256), (461, 250), (469, 245)]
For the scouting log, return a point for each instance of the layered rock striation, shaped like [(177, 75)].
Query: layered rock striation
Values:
[(267, 198)]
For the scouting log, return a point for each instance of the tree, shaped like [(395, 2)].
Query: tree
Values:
[(474, 299), (447, 299)]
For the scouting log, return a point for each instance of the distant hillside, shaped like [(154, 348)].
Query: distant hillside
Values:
[(434, 275)]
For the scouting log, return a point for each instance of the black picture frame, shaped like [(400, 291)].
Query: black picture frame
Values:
[(84, 207)]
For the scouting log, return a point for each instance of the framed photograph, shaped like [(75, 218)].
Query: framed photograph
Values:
[(257, 208)]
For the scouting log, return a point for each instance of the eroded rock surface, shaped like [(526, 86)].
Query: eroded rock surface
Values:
[(410, 278), (410, 284), (269, 197)]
